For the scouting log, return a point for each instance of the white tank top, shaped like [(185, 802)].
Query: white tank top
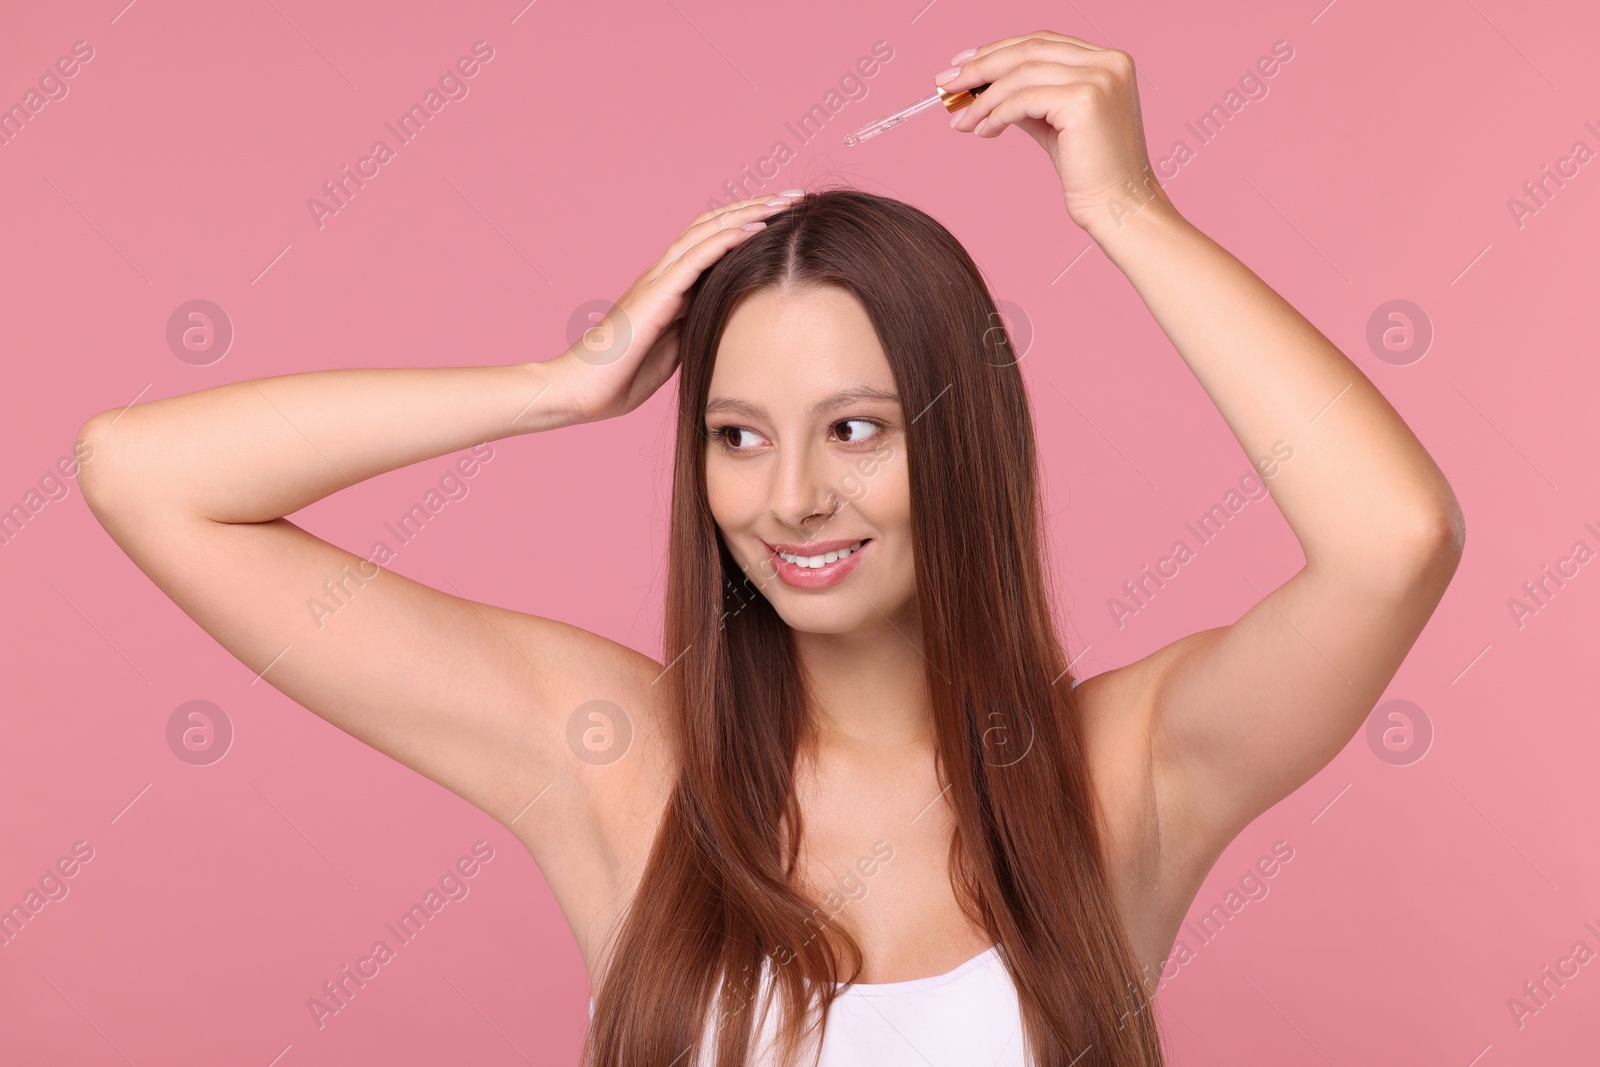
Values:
[(965, 1016)]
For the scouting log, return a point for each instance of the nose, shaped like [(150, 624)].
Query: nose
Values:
[(802, 495)]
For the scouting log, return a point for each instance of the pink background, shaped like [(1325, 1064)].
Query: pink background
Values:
[(1378, 167)]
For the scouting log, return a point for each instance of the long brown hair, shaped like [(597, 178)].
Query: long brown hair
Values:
[(715, 904)]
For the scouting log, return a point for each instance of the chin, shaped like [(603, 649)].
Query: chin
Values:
[(841, 609), (825, 619)]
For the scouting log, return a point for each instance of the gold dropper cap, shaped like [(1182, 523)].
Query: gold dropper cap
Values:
[(957, 101)]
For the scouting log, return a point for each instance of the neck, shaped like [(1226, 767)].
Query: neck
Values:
[(868, 689)]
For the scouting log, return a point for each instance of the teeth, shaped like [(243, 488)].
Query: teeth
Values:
[(823, 560)]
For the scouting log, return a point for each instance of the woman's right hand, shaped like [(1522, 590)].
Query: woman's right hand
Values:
[(625, 357)]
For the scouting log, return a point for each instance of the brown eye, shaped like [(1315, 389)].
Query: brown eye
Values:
[(865, 430), (733, 438)]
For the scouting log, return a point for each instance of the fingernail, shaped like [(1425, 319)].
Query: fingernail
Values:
[(980, 126), (955, 118), (945, 76), (752, 226), (777, 201), (962, 57)]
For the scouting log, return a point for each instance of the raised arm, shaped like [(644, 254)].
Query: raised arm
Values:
[(1235, 718), (194, 488), (1244, 714)]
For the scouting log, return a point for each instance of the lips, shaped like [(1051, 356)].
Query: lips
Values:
[(803, 577)]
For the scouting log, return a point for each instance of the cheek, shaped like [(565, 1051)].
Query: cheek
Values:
[(882, 495), (733, 500), (886, 507), (898, 500)]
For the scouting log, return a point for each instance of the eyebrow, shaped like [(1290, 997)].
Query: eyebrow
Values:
[(735, 406)]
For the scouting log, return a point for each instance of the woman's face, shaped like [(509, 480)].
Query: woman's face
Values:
[(806, 456)]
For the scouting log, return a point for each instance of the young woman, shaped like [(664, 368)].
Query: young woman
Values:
[(859, 789)]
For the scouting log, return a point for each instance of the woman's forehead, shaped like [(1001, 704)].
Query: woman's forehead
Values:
[(811, 341)]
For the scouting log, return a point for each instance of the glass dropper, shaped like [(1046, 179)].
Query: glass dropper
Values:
[(951, 101)]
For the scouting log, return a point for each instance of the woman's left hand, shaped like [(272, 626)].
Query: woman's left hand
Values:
[(1080, 102)]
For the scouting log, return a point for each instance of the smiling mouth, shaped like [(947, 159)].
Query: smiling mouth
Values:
[(817, 571), (817, 562)]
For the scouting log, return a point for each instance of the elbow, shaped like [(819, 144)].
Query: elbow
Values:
[(91, 455), (1457, 521), (1411, 548), (1436, 540), (1443, 533)]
